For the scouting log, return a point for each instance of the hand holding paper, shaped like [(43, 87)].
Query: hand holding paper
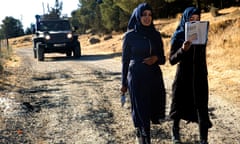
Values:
[(186, 45), (196, 32)]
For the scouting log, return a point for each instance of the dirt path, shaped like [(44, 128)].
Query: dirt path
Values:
[(77, 101)]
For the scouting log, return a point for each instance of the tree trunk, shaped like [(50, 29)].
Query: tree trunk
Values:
[(198, 4)]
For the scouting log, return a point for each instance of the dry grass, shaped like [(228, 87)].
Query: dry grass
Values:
[(222, 55), (222, 52)]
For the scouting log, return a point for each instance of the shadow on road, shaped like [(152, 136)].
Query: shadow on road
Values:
[(83, 57)]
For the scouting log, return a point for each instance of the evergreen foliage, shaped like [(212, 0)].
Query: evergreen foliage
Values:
[(112, 15), (11, 27), (105, 16)]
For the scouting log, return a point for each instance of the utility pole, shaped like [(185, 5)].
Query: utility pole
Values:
[(43, 8)]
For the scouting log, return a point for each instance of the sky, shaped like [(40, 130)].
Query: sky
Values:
[(25, 10)]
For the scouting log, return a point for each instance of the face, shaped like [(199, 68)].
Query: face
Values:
[(194, 17), (146, 18)]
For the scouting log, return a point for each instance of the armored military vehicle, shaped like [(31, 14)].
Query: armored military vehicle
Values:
[(54, 35)]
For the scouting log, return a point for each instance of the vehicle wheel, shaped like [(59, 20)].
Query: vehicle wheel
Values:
[(40, 52), (69, 53), (34, 53), (34, 49), (77, 50)]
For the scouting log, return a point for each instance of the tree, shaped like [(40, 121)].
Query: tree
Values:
[(113, 15), (89, 16), (55, 11), (28, 31), (11, 27), (110, 15), (198, 4)]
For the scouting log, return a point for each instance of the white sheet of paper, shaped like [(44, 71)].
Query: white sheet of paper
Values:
[(197, 32)]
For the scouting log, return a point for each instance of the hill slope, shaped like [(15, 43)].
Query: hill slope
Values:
[(222, 55)]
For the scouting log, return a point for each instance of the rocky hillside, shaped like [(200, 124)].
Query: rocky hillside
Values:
[(223, 49)]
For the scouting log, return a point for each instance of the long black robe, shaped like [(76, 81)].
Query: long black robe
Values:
[(190, 87)]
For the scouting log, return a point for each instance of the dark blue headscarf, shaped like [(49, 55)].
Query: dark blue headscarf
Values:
[(180, 31), (135, 19), (135, 23), (147, 31)]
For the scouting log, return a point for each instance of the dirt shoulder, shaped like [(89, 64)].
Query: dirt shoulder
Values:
[(76, 101), (64, 100)]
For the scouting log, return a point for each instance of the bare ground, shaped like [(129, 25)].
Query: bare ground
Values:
[(77, 101)]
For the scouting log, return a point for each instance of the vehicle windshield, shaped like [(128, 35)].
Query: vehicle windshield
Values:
[(54, 26)]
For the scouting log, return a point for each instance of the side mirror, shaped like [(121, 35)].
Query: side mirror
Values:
[(75, 28), (33, 29)]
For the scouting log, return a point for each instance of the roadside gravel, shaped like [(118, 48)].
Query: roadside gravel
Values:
[(77, 101)]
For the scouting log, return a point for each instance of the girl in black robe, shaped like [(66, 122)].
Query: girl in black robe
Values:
[(190, 87)]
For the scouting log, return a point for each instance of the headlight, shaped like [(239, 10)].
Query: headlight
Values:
[(47, 37), (69, 35)]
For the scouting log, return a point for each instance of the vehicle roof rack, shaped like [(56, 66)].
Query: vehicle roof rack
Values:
[(50, 17)]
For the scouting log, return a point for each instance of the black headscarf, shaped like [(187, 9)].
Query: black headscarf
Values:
[(135, 19), (180, 31), (148, 31)]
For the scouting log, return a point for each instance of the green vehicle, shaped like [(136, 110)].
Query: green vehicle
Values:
[(54, 35)]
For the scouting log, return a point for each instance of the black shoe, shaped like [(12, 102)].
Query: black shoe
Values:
[(142, 136), (177, 142), (142, 140), (160, 121), (203, 142), (176, 136), (210, 124), (138, 140)]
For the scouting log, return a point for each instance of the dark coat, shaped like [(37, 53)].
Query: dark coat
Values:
[(145, 82), (190, 87)]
